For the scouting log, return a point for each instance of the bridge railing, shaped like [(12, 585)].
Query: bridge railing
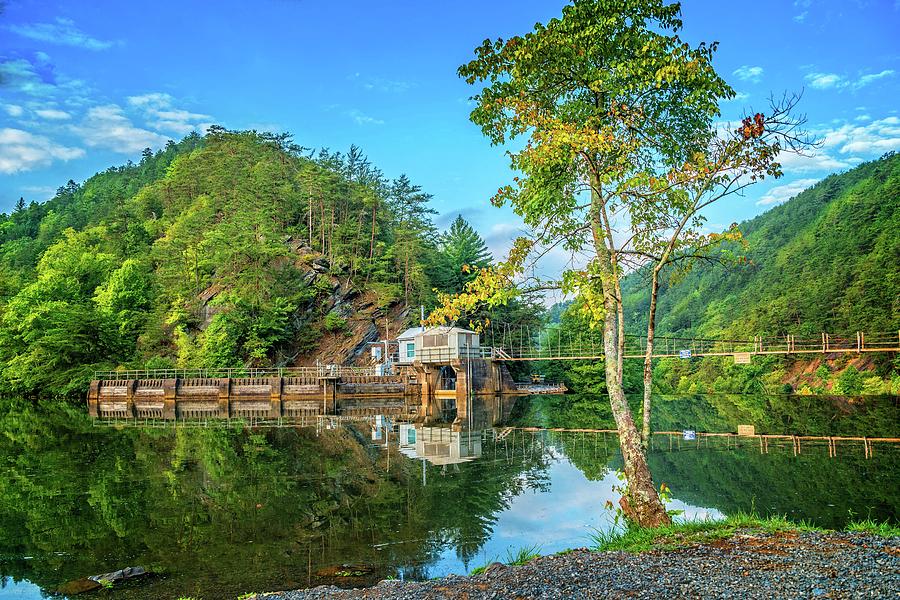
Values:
[(306, 372), (553, 344)]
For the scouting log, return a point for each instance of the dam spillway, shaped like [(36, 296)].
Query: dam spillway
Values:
[(289, 394)]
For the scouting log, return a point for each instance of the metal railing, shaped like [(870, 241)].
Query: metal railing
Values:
[(305, 372), (556, 344), (446, 354)]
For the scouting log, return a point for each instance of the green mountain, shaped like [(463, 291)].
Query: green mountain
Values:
[(227, 250), (826, 260)]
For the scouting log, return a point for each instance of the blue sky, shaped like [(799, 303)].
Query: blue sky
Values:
[(87, 85)]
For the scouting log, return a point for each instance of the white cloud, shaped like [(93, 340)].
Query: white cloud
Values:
[(362, 118), (783, 193), (63, 32), (52, 114), (19, 75), (748, 73), (108, 127), (867, 79), (43, 192), (739, 97), (13, 110), (876, 137), (824, 81), (152, 100), (846, 144), (23, 151), (803, 5), (381, 84), (161, 115), (500, 236), (817, 161)]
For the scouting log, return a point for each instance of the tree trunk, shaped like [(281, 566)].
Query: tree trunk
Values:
[(648, 358), (372, 241), (640, 504), (310, 221), (331, 237)]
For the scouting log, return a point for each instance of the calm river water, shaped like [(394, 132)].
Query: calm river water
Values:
[(215, 512)]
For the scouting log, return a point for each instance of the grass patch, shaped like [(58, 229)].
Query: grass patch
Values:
[(639, 539), (522, 555), (874, 528), (514, 558)]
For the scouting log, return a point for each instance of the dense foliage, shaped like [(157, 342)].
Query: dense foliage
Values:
[(217, 251), (217, 511), (827, 260)]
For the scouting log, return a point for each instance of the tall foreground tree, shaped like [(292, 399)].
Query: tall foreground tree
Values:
[(619, 118)]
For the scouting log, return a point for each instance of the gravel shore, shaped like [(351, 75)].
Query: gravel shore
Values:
[(746, 565)]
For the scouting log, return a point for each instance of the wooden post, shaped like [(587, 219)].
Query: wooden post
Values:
[(129, 398), (275, 397), (225, 397), (93, 399), (329, 395), (170, 390)]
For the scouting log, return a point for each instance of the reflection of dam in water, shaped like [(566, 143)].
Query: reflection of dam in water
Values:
[(439, 445), (424, 392)]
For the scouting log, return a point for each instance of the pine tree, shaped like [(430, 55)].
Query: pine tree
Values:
[(463, 252)]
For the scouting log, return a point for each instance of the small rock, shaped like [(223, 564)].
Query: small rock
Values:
[(79, 586)]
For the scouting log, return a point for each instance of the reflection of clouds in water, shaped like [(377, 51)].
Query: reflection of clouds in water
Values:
[(565, 516), (694, 513)]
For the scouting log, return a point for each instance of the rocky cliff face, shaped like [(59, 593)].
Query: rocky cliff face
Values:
[(337, 325), (346, 319)]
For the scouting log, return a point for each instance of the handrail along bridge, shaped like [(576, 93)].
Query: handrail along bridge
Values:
[(507, 343)]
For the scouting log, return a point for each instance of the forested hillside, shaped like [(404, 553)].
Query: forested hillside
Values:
[(227, 250), (827, 260)]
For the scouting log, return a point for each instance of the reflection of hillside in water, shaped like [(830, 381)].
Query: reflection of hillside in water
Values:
[(870, 416), (223, 510)]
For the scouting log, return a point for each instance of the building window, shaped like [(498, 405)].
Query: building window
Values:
[(434, 341), (411, 350)]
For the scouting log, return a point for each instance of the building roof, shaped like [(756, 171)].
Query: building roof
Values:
[(410, 333), (447, 329)]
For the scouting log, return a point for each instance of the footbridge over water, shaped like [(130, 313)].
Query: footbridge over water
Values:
[(519, 343)]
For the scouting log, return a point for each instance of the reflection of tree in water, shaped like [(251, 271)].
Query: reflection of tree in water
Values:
[(459, 506), (733, 475), (224, 510)]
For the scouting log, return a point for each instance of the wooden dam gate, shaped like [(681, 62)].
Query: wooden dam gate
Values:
[(414, 392), (250, 393)]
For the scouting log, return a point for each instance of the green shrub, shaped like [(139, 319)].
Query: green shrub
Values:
[(334, 322)]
